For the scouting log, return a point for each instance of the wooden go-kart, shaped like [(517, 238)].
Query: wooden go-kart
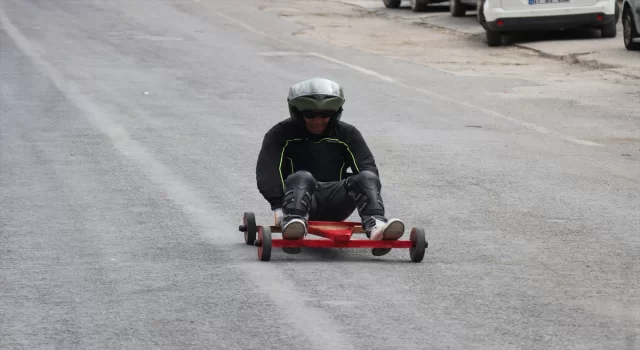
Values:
[(335, 234)]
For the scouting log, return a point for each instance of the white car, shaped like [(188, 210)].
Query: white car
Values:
[(499, 17), (631, 24)]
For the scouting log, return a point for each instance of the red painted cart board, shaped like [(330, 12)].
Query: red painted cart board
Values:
[(336, 235), (330, 234), (327, 243)]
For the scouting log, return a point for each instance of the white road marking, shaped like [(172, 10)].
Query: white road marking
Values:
[(432, 94), (245, 26), (429, 93), (156, 37), (369, 72), (528, 125), (313, 324), (283, 53), (357, 68)]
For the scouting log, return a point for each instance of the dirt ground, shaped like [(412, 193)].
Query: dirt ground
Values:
[(412, 36)]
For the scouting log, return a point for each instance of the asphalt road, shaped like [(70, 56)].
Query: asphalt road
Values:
[(129, 133)]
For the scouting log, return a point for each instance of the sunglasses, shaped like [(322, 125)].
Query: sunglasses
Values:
[(317, 114)]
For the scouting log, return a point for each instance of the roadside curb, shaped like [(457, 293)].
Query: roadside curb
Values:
[(574, 59)]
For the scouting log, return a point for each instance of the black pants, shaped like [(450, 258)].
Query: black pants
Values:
[(334, 201), (331, 202)]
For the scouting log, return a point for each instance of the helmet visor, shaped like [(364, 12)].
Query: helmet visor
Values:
[(311, 114)]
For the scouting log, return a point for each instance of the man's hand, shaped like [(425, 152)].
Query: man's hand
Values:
[(278, 215)]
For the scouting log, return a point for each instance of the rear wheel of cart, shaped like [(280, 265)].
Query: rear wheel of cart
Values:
[(419, 244), (264, 243)]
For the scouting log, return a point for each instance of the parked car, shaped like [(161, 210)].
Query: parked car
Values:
[(499, 17), (459, 8), (631, 24), (416, 5)]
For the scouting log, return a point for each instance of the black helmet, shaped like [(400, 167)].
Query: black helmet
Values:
[(318, 95)]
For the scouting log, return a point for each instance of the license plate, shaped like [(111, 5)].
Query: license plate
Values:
[(543, 2)]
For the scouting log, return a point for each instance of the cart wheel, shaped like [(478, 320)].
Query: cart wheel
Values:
[(264, 243), (416, 252), (249, 228)]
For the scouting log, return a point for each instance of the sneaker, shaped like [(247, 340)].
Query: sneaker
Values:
[(294, 228), (385, 230), (391, 229)]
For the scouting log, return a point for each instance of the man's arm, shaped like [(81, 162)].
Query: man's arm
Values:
[(359, 156), (268, 175)]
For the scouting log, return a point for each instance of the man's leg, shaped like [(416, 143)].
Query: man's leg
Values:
[(364, 188), (299, 189), (332, 202)]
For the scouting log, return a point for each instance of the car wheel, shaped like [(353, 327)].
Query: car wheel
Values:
[(391, 4), (457, 8), (418, 5), (609, 30), (629, 31), (494, 38)]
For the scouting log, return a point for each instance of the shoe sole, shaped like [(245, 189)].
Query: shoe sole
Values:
[(380, 251), (292, 250), (295, 230), (394, 231)]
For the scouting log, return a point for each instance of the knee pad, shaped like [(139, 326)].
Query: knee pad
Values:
[(364, 188), (299, 187), (366, 180)]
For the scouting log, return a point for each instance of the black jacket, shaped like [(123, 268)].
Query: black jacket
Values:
[(288, 147)]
